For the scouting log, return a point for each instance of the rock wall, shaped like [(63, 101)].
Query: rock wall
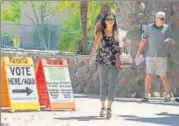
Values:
[(85, 77), (132, 14)]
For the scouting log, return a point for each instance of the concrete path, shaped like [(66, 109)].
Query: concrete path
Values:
[(126, 112)]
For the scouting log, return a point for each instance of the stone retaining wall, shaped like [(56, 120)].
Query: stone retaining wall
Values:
[(85, 77)]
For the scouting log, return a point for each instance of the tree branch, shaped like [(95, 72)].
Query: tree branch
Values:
[(46, 13), (30, 19), (43, 11), (34, 11), (50, 13)]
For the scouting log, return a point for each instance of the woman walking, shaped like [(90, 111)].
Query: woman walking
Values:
[(107, 60)]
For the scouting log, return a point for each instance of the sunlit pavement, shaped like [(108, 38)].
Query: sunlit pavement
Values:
[(126, 112)]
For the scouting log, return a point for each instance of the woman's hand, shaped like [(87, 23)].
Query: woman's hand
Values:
[(118, 63)]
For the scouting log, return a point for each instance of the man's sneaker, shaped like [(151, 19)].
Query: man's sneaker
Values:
[(108, 114), (102, 112), (145, 100), (167, 98), (177, 100)]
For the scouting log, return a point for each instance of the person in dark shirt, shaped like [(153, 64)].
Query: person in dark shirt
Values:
[(107, 60)]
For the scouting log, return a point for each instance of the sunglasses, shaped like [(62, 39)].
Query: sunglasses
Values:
[(163, 19), (109, 19)]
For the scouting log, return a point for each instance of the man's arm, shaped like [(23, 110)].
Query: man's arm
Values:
[(141, 47), (144, 37)]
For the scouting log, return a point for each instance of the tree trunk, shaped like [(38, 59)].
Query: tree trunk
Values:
[(84, 12)]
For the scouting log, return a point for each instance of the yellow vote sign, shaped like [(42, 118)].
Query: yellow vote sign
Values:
[(18, 84)]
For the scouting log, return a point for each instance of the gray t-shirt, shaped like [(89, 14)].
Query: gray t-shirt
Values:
[(157, 47)]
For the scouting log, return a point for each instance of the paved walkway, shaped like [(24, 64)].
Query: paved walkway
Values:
[(126, 112)]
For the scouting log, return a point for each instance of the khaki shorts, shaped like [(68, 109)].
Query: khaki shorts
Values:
[(156, 65)]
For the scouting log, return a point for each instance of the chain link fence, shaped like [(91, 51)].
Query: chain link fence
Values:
[(31, 37)]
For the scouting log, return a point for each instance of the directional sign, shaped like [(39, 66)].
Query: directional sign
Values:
[(19, 89), (28, 91), (22, 83)]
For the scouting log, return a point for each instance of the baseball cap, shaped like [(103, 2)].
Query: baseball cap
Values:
[(160, 14)]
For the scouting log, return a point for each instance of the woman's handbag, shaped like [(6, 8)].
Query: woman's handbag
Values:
[(125, 58)]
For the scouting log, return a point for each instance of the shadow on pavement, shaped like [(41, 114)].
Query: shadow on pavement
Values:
[(162, 119), (167, 114), (82, 118), (156, 101), (18, 111), (86, 96)]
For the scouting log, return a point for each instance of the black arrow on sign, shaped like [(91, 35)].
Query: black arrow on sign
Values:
[(27, 90)]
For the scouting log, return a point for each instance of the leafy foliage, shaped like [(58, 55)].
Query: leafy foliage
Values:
[(72, 29), (12, 12)]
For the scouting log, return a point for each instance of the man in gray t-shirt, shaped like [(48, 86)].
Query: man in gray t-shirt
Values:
[(158, 37)]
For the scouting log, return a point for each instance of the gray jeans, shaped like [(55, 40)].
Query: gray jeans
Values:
[(109, 78)]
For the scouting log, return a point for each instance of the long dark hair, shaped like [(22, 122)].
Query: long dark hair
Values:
[(101, 25)]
